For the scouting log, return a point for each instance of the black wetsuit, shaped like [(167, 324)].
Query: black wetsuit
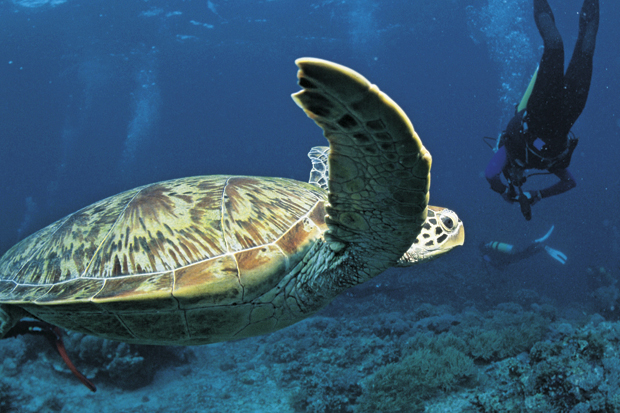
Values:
[(538, 136), (558, 98)]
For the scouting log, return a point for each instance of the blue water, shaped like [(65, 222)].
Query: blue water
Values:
[(101, 96)]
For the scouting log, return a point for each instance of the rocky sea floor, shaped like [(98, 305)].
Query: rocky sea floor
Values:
[(397, 344)]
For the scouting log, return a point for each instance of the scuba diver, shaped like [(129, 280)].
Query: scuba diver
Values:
[(539, 135), (500, 254)]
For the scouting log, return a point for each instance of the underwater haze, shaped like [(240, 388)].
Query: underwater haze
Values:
[(101, 96)]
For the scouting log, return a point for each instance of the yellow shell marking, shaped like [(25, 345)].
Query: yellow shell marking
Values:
[(196, 235)]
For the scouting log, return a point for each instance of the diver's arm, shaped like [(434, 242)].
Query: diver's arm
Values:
[(567, 182), (494, 169)]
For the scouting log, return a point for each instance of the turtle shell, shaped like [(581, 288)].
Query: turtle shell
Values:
[(167, 262)]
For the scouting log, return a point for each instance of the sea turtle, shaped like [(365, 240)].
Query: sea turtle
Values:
[(213, 258)]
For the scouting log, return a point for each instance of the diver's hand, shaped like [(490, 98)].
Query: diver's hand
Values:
[(510, 195), (532, 197), (526, 199)]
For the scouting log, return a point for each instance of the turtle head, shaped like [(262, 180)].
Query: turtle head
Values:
[(442, 231)]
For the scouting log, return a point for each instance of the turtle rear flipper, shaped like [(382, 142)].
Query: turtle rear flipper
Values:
[(53, 334), (9, 316)]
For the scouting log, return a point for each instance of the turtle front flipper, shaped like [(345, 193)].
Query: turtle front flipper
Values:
[(379, 171), (442, 230), (319, 174)]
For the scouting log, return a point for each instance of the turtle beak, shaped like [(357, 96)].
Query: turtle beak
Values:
[(456, 239)]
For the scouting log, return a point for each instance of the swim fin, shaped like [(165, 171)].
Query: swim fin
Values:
[(556, 255), (546, 235)]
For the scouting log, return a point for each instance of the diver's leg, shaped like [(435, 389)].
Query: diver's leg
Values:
[(547, 95), (579, 71), (566, 183)]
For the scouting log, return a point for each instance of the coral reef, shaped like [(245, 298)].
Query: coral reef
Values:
[(434, 365), (6, 398), (575, 371), (121, 365), (605, 297), (502, 334), (381, 354)]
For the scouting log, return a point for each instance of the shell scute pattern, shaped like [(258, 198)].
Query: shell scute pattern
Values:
[(297, 239), (63, 250), (80, 317), (259, 211), (212, 282), (164, 244), (260, 269), (72, 291), (139, 287), (219, 322), (154, 326), (26, 293), (141, 242)]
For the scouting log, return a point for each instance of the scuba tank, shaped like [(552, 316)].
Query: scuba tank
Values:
[(502, 247)]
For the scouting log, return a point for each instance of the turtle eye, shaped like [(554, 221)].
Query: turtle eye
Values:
[(447, 222)]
